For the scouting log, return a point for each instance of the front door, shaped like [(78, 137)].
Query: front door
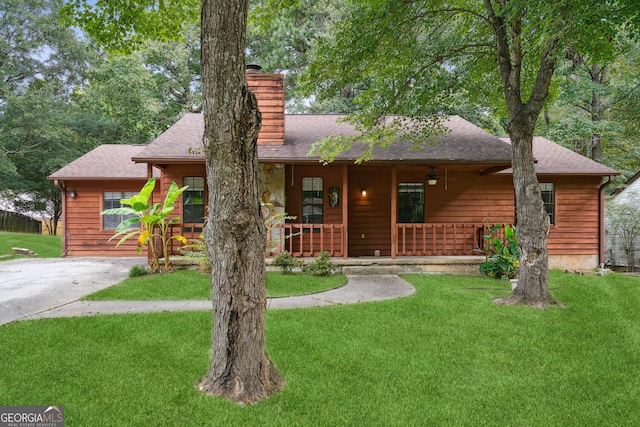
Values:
[(369, 210)]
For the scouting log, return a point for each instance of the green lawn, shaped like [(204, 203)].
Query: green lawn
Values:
[(43, 245), (191, 285), (445, 356)]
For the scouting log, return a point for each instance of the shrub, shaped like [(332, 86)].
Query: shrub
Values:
[(502, 257), (321, 266), (286, 262), (138, 271)]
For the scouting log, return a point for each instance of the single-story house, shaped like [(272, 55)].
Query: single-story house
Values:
[(434, 201)]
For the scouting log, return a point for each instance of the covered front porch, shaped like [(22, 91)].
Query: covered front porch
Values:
[(387, 210)]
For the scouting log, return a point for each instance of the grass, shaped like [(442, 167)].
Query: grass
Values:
[(43, 245), (191, 285), (445, 356)]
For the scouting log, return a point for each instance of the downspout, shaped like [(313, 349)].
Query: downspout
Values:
[(60, 184), (601, 249)]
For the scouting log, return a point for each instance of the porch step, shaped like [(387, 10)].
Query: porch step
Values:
[(430, 265)]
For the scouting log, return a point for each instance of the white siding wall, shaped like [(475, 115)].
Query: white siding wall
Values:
[(613, 254)]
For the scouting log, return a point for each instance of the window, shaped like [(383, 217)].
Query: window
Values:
[(549, 200), (410, 202), (111, 200), (312, 200), (193, 200)]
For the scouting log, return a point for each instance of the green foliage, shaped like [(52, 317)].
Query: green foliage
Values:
[(123, 27), (286, 262), (280, 36), (502, 255), (137, 271), (470, 362), (321, 266), (595, 106), (148, 222), (417, 58)]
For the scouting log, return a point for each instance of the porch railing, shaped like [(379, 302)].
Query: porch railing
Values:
[(433, 239), (306, 239)]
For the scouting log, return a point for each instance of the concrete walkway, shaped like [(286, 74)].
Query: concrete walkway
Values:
[(48, 288), (358, 289)]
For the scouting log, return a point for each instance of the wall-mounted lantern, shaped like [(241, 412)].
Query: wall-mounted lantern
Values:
[(432, 178), (363, 191), (73, 194)]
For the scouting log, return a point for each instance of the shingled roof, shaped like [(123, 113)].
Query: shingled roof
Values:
[(108, 161), (555, 159), (466, 143)]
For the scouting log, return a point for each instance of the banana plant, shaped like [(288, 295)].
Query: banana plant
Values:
[(149, 222)]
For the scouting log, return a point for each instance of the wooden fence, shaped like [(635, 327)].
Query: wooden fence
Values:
[(15, 222)]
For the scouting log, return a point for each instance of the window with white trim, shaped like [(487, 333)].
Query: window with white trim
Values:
[(111, 200), (548, 191)]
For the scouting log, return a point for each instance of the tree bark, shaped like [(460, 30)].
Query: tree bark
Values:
[(235, 234), (532, 220)]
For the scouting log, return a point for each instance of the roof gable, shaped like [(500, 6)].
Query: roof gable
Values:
[(108, 161), (554, 159), (632, 186)]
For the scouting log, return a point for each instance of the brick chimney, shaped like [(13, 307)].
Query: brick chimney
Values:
[(269, 90)]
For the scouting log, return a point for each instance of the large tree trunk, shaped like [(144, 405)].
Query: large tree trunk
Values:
[(532, 223), (532, 220), (235, 234)]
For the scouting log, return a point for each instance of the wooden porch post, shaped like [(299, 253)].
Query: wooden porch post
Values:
[(394, 209), (149, 176), (345, 211)]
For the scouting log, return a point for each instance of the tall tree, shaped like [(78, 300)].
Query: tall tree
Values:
[(408, 50), (236, 237), (41, 61), (240, 369), (176, 67), (595, 103)]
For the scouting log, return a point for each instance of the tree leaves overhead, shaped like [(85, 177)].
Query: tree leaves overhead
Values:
[(34, 45), (123, 25)]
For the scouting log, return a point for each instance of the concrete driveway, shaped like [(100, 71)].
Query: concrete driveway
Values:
[(30, 286), (45, 288)]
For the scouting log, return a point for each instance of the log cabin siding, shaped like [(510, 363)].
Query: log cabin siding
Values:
[(84, 234), (369, 215), (465, 197), (577, 216)]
